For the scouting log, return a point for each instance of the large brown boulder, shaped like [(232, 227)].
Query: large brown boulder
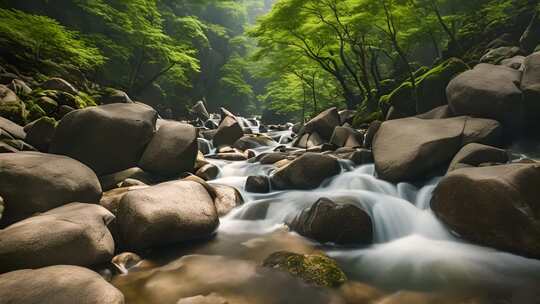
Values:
[(410, 148), (166, 213), (253, 142), (74, 234), (57, 285), (474, 155), (34, 182), (493, 206), (226, 198), (107, 138), (330, 222), (488, 91), (40, 133), (229, 130), (324, 123), (306, 172), (530, 85), (172, 150), (347, 137), (12, 128)]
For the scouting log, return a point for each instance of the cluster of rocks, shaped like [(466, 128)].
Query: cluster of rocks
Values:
[(102, 180)]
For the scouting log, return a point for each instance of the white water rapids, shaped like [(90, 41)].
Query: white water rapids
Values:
[(412, 249)]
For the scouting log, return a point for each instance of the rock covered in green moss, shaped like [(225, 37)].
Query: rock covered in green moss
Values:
[(316, 269), (432, 85), (11, 107)]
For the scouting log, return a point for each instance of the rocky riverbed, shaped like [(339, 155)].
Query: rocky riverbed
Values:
[(113, 204)]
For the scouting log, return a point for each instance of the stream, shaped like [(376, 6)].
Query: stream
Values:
[(412, 249)]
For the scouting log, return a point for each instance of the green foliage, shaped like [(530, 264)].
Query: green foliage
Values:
[(39, 37)]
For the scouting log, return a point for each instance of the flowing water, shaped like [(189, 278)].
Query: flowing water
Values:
[(412, 250)]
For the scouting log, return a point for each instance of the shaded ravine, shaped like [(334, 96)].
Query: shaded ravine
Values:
[(413, 250)]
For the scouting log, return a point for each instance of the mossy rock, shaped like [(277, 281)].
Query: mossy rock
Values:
[(431, 87), (48, 104), (362, 118), (35, 112), (15, 112), (401, 98), (316, 269)]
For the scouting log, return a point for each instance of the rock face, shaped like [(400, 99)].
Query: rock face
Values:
[(228, 132), (493, 206), (36, 182), (74, 234), (408, 149), (314, 269), (306, 172), (57, 285), (172, 150), (474, 155), (488, 91), (329, 222), (166, 213), (107, 138), (323, 124)]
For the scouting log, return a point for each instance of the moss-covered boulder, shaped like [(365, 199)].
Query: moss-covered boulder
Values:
[(316, 269), (432, 85), (11, 107), (401, 99)]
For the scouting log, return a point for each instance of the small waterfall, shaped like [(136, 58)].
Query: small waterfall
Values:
[(206, 146), (412, 249)]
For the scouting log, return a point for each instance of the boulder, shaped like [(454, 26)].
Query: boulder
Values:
[(308, 140), (227, 198), (208, 172), (20, 87), (370, 133), (473, 155), (11, 107), (12, 128), (57, 285), (361, 157), (59, 84), (346, 116), (172, 150), (63, 110), (253, 142), (488, 91), (228, 132), (323, 124), (271, 158), (107, 138), (330, 222), (431, 86), (125, 261), (408, 149), (166, 213), (115, 96), (306, 172), (19, 145), (437, 113), (112, 181), (200, 112), (495, 56), (531, 37), (316, 269), (347, 137), (493, 206), (47, 104), (258, 184), (530, 85), (40, 133), (36, 182), (515, 62), (74, 234)]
